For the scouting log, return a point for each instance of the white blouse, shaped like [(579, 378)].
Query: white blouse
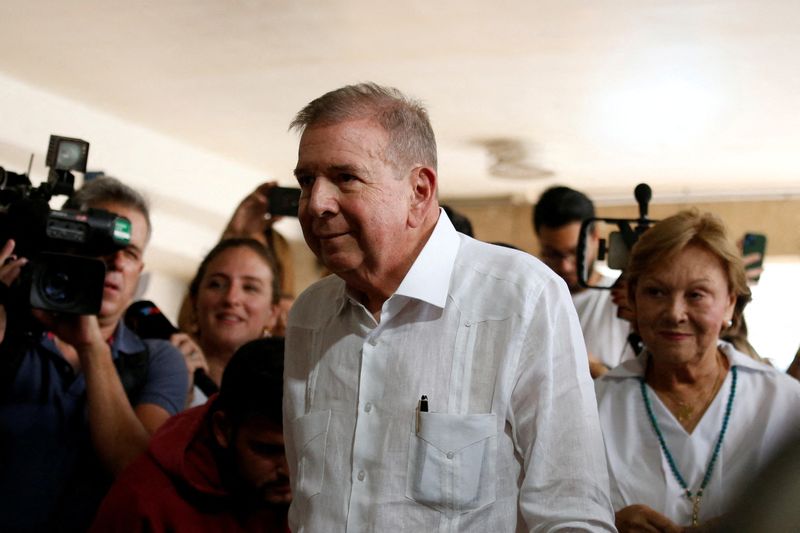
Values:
[(765, 413)]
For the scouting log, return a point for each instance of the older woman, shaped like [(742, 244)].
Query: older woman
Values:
[(234, 297), (689, 421)]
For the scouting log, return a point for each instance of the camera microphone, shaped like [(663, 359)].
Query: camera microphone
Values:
[(643, 194), (147, 321)]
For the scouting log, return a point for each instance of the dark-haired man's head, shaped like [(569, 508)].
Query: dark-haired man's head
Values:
[(247, 423), (557, 218)]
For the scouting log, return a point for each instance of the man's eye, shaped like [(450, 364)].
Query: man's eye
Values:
[(347, 177), (305, 181)]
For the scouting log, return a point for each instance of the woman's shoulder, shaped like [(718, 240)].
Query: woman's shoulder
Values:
[(620, 379)]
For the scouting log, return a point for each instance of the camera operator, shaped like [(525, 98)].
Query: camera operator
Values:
[(557, 218), (83, 399)]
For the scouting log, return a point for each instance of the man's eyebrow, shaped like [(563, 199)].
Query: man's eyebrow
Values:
[(344, 168), (135, 248), (353, 169)]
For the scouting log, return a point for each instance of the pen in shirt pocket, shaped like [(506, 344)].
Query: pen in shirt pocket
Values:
[(421, 408)]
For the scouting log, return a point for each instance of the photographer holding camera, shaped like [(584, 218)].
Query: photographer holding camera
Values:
[(80, 401)]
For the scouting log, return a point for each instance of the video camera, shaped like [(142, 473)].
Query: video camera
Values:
[(63, 273), (616, 248)]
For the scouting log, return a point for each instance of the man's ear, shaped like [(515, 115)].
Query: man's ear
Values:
[(221, 428), (423, 195)]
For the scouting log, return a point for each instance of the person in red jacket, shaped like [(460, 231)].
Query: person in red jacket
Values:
[(217, 467)]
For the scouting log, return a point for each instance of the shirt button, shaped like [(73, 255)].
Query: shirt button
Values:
[(450, 455), (368, 407), (372, 341), (361, 475)]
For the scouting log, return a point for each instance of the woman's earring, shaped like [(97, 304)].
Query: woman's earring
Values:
[(729, 323)]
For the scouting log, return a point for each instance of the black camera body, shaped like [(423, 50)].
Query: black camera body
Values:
[(63, 273), (616, 248)]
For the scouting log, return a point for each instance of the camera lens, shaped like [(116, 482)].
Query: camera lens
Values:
[(67, 283), (57, 287)]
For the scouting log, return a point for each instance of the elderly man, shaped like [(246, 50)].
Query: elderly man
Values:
[(84, 397), (434, 382)]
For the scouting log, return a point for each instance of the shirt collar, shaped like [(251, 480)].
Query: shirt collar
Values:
[(635, 368), (429, 277)]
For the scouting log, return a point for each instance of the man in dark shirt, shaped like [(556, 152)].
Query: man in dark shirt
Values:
[(85, 397)]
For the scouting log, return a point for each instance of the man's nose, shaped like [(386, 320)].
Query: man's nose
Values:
[(113, 261), (322, 199), (567, 263), (282, 466)]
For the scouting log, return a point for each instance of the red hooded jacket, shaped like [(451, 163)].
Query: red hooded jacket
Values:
[(175, 486)]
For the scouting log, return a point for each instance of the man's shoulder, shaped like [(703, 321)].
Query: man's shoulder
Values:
[(318, 301), (127, 343), (160, 348), (493, 267), (151, 370)]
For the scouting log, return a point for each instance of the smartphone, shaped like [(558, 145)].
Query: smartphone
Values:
[(755, 243), (283, 201)]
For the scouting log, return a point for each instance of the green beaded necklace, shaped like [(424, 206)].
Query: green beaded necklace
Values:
[(698, 496)]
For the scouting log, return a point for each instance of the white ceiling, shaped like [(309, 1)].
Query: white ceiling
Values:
[(694, 96)]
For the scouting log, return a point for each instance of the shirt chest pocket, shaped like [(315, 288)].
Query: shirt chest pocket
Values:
[(311, 435), (451, 461)]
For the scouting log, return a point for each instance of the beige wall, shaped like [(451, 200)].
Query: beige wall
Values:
[(507, 221)]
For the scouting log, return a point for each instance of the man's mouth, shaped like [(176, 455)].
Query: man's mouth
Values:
[(330, 236)]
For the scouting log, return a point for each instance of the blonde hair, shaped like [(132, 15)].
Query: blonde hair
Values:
[(662, 242)]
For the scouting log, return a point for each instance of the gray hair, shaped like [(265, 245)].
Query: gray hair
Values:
[(406, 121), (108, 189)]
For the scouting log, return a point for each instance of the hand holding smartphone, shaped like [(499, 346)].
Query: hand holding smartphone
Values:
[(754, 244), (283, 201)]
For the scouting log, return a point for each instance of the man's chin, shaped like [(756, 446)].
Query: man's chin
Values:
[(338, 263), (110, 310)]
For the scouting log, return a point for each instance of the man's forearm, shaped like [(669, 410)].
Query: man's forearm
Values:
[(117, 433)]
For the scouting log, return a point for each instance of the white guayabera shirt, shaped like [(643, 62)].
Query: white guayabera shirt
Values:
[(765, 412), (511, 440)]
